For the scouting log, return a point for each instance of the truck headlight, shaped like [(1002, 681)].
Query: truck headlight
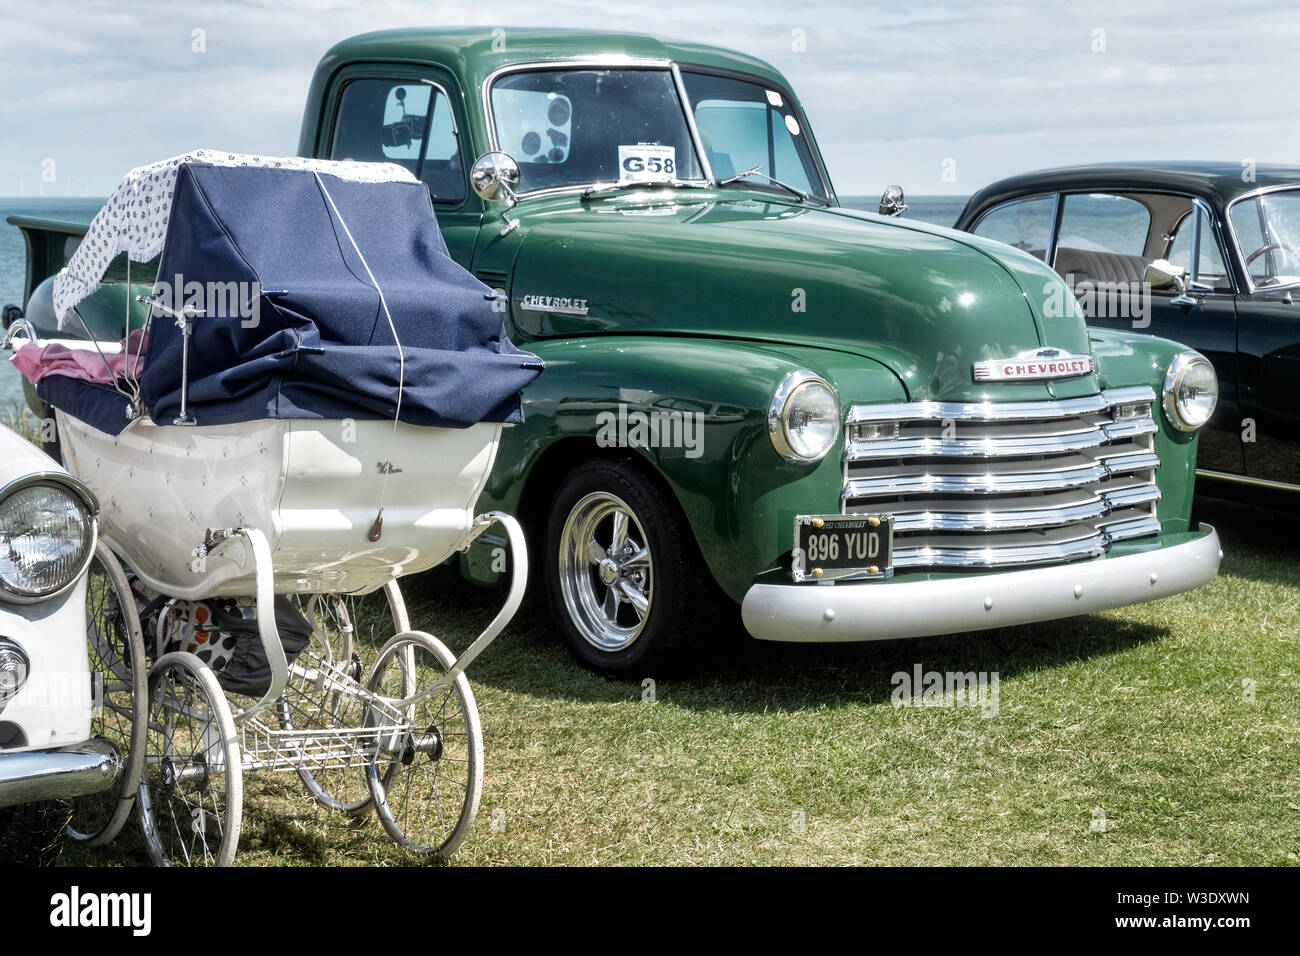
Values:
[(47, 535), (803, 420), (1191, 391)]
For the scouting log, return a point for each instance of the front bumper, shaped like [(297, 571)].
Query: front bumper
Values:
[(878, 611), (32, 775)]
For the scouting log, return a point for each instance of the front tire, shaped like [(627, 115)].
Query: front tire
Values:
[(624, 580)]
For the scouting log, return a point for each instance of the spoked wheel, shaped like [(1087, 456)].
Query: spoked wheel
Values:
[(339, 632), (625, 582), (192, 789), (119, 688), (427, 779)]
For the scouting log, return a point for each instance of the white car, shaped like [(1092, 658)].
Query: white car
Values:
[(65, 747)]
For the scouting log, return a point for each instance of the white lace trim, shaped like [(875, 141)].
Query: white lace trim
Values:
[(134, 219)]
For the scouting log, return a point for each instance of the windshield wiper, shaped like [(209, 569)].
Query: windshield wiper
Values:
[(597, 192), (797, 193)]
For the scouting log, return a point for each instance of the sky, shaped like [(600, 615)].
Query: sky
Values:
[(941, 98)]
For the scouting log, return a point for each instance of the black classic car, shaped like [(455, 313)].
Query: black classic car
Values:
[(1207, 254)]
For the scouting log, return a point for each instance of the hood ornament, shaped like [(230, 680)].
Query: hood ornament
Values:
[(1033, 365)]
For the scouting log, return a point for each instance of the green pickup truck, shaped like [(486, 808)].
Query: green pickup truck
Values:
[(845, 426)]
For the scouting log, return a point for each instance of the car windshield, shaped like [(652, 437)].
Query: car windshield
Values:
[(579, 127), (747, 124), (1267, 228)]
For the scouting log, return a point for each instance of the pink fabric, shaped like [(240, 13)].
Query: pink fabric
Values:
[(38, 361)]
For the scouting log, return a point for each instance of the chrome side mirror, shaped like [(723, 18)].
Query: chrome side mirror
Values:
[(495, 178), (891, 201), (1163, 276)]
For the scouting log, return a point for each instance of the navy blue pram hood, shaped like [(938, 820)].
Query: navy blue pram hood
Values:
[(318, 344)]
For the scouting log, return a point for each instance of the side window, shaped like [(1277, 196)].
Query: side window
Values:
[(405, 122), (1209, 271), (1101, 240), (1025, 224)]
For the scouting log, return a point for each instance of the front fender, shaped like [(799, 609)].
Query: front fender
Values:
[(1127, 359), (709, 398)]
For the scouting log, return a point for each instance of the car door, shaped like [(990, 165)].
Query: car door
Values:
[(408, 115), (1269, 350), (1103, 243)]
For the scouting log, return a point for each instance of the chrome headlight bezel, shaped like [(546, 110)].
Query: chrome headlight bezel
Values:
[(1174, 379), (84, 500), (778, 424)]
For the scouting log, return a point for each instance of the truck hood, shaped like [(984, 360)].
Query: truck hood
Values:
[(924, 301)]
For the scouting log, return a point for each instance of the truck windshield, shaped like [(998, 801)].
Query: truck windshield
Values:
[(579, 127), (746, 124)]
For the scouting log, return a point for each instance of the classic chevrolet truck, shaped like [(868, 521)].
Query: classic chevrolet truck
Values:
[(851, 426)]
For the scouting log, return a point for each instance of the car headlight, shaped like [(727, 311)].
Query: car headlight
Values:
[(1191, 391), (803, 420), (46, 539)]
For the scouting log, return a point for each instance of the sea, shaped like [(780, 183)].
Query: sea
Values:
[(942, 210)]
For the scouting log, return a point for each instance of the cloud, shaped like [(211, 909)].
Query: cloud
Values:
[(891, 91)]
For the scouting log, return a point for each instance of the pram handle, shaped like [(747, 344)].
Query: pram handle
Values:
[(515, 597)]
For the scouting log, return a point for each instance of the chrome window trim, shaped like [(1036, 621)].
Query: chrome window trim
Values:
[(1247, 480), (1216, 229), (1236, 244), (690, 123), (598, 63)]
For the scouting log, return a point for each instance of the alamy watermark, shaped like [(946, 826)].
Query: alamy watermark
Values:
[(1099, 299), (921, 688), (656, 428), (242, 300)]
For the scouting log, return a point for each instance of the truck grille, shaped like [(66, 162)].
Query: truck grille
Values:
[(1001, 485)]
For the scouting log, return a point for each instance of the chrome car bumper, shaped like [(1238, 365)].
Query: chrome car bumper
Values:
[(886, 610), (32, 775)]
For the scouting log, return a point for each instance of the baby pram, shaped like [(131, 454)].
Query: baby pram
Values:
[(310, 413)]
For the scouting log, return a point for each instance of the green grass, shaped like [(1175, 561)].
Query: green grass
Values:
[(1139, 713)]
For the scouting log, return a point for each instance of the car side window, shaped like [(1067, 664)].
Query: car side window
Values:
[(1101, 240), (1210, 271), (1025, 224), (405, 122)]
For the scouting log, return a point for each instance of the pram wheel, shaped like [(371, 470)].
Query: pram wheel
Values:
[(191, 792), (427, 778), (335, 623), (119, 687)]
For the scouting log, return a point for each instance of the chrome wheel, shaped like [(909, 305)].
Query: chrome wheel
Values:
[(606, 571), (428, 774), (191, 795)]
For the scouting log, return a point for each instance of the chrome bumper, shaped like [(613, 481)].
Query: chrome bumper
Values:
[(34, 775), (884, 611)]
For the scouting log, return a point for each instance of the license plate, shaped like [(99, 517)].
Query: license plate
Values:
[(840, 546)]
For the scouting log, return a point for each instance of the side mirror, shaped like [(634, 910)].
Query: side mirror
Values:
[(891, 201), (495, 177), (1163, 276)]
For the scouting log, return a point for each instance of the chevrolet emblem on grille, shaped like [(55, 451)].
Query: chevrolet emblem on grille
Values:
[(1034, 364)]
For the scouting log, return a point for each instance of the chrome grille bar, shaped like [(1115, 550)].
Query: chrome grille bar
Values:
[(1005, 484)]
